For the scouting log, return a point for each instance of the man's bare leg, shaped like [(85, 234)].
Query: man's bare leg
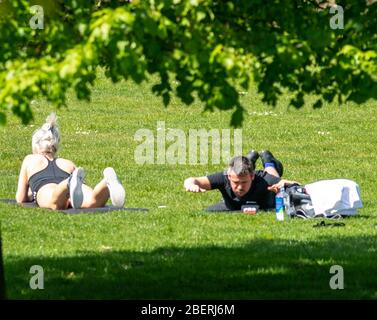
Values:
[(272, 171), (271, 165)]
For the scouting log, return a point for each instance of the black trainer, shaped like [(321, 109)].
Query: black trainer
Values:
[(253, 156), (267, 156)]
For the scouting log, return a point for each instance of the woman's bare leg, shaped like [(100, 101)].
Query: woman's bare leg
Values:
[(97, 197), (54, 196)]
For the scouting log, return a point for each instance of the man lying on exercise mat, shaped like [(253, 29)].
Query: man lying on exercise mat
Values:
[(241, 184), (56, 183)]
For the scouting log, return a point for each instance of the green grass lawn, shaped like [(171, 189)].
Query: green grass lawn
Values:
[(176, 250)]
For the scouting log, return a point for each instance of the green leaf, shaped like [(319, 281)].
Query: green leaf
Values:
[(298, 101), (318, 104)]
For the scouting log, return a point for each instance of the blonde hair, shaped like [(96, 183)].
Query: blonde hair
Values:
[(47, 138)]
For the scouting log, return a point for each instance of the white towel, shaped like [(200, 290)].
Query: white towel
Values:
[(337, 196)]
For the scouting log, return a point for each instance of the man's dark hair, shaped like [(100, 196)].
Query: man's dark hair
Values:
[(241, 166)]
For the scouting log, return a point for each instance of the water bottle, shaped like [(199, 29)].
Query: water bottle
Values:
[(280, 200), (283, 205)]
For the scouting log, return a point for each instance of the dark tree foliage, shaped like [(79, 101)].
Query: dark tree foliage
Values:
[(211, 48)]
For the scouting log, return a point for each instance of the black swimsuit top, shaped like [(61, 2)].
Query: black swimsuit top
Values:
[(51, 174)]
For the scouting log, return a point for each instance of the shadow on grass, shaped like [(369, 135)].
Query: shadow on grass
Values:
[(258, 269), (2, 280)]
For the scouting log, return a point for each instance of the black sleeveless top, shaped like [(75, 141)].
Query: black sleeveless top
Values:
[(51, 174)]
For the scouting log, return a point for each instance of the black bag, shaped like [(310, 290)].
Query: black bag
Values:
[(301, 202)]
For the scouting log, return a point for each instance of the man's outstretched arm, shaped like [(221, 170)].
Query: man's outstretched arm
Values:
[(282, 183), (197, 184)]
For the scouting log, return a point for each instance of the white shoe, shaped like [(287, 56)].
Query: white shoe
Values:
[(75, 187), (117, 192)]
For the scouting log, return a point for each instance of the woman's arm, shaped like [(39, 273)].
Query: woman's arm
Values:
[(22, 194)]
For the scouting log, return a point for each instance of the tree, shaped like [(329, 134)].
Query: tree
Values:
[(211, 48)]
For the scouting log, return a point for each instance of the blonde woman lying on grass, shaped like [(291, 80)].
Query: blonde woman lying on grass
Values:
[(56, 183)]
